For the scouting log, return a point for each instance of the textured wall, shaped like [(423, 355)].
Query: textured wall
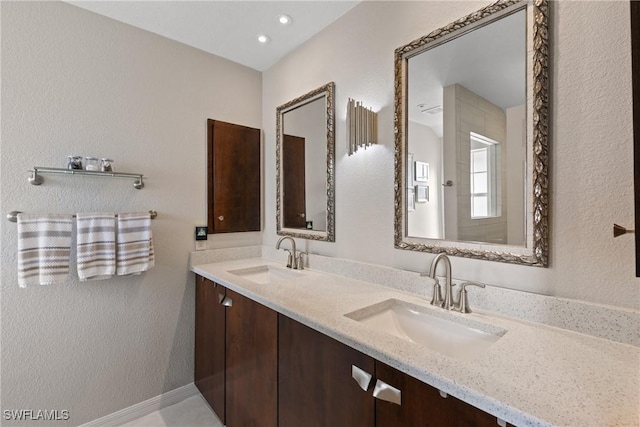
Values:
[(591, 144), (77, 83)]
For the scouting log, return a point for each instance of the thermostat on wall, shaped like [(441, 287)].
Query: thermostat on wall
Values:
[(201, 233), (201, 238)]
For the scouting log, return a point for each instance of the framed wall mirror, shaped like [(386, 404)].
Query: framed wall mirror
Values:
[(305, 160), (471, 101)]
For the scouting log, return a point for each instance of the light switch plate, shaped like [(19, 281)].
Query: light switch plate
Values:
[(201, 245)]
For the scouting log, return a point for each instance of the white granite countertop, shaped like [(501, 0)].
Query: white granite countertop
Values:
[(534, 375)]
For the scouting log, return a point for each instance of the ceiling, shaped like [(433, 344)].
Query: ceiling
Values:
[(228, 28)]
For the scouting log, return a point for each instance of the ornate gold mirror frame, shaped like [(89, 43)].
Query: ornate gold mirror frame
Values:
[(536, 248), (325, 92)]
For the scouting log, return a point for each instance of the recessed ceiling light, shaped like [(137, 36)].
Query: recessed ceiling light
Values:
[(284, 19), (263, 38)]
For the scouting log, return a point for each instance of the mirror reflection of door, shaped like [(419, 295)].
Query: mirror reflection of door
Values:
[(293, 160), (304, 166)]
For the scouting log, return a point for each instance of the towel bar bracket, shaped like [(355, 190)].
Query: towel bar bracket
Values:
[(13, 215)]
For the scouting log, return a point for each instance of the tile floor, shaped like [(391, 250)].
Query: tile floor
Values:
[(191, 412)]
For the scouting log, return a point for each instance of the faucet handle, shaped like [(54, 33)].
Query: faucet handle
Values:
[(298, 262), (463, 304), (289, 258), (436, 299)]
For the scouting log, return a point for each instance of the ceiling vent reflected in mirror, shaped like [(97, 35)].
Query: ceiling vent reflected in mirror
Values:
[(430, 110)]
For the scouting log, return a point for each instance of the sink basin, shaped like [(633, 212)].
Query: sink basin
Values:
[(435, 329), (264, 274)]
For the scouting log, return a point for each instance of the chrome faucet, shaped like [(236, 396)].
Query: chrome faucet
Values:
[(447, 302), (294, 259)]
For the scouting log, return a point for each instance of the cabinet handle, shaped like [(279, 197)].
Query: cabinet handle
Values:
[(220, 298), (384, 391), (221, 218), (363, 378), (227, 302)]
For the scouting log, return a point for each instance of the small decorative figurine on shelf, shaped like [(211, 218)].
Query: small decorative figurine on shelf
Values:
[(107, 165), (91, 164), (74, 162)]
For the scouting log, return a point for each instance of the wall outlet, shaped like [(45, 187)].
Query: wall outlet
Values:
[(201, 245)]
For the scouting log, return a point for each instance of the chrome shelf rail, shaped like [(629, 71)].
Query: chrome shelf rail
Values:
[(36, 175)]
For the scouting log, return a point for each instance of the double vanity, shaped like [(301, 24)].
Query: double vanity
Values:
[(308, 347), (315, 341)]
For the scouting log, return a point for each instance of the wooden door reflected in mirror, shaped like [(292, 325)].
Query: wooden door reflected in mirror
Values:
[(293, 160)]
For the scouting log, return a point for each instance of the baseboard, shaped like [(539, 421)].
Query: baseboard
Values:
[(145, 408)]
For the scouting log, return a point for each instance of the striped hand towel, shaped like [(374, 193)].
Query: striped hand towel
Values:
[(96, 245), (44, 245), (135, 243)]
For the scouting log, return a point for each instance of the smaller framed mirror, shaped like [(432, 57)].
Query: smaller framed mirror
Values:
[(305, 162)]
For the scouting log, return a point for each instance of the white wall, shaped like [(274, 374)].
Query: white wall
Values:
[(426, 146), (515, 158), (77, 83), (591, 144)]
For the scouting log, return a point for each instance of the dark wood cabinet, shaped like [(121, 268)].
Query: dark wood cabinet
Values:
[(258, 368), (233, 177), (209, 363), (252, 363), (315, 384), (236, 344), (422, 405)]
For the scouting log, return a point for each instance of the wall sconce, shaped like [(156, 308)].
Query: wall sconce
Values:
[(362, 126)]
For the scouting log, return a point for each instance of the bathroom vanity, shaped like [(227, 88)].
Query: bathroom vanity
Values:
[(293, 348)]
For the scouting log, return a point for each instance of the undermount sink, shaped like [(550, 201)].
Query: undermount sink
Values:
[(264, 274), (435, 329)]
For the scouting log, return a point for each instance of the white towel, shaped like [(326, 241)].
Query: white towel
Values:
[(96, 245), (44, 245), (135, 243)]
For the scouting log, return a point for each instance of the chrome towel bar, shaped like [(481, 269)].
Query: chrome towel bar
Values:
[(13, 215)]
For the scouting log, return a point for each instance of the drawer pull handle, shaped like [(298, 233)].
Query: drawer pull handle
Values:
[(220, 298), (363, 378), (384, 391), (227, 302), (221, 218)]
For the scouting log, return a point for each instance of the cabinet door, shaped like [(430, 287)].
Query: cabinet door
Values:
[(421, 405), (252, 357), (316, 388), (209, 344), (233, 177), (469, 416)]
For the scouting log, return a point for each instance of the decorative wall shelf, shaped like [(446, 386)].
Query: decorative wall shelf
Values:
[(36, 175)]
